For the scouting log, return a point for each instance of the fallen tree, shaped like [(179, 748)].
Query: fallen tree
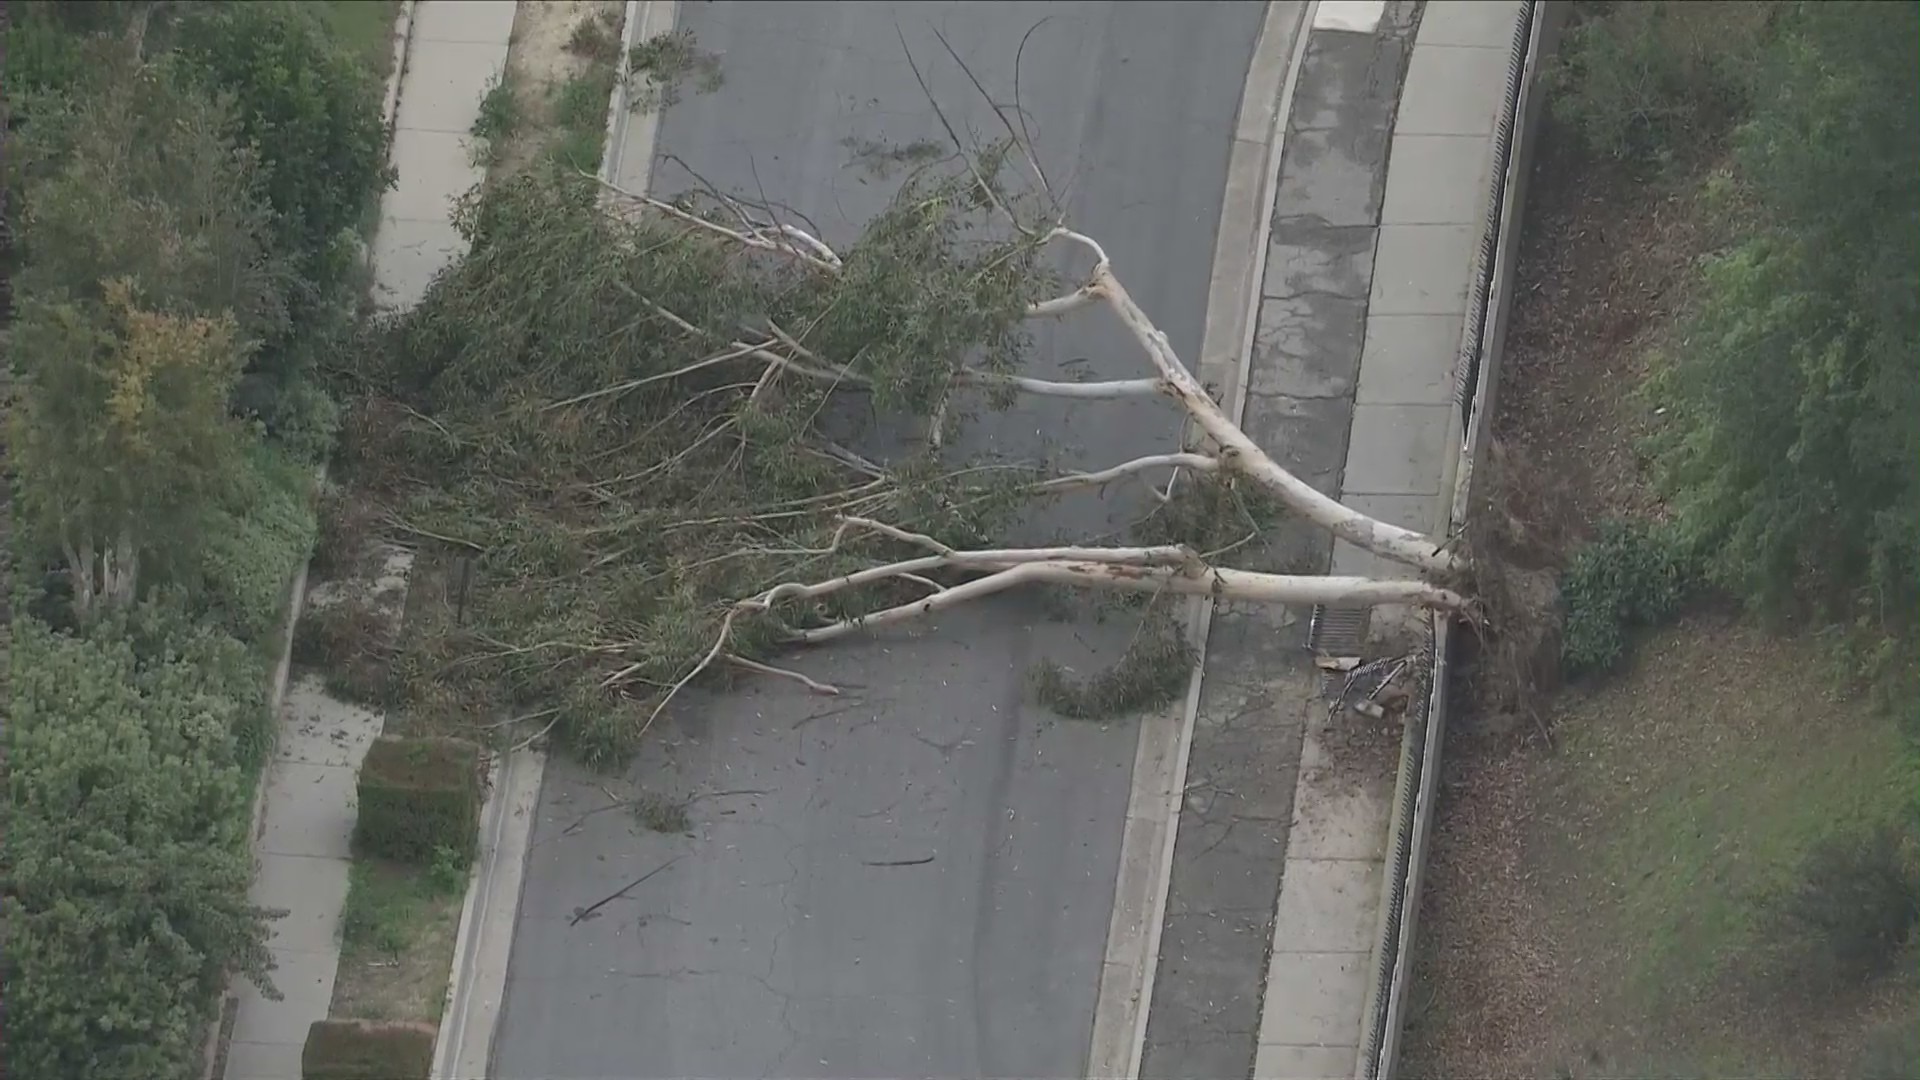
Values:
[(634, 416)]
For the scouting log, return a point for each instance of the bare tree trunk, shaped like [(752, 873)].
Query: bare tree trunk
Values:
[(80, 576)]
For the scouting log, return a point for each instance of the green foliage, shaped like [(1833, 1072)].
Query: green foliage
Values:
[(1632, 575), (1153, 671), (663, 62), (498, 118), (1855, 904), (127, 867), (419, 798), (135, 178), (42, 56), (387, 904), (581, 102), (367, 1050), (1791, 451), (1651, 78), (251, 548), (1209, 513), (121, 437), (164, 631), (620, 484), (580, 105), (311, 110)]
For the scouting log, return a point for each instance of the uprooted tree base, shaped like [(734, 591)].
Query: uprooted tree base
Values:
[(630, 418)]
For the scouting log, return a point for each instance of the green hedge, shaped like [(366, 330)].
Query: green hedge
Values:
[(367, 1050), (419, 797)]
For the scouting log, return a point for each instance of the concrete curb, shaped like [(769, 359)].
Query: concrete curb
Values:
[(1131, 962), (1416, 785), (220, 1034), (483, 944)]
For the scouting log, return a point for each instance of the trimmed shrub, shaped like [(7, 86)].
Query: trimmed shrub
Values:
[(419, 797), (367, 1050), (1632, 575)]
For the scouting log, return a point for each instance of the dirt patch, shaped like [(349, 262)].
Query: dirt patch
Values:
[(541, 61), (1591, 911), (1587, 908), (1606, 259)]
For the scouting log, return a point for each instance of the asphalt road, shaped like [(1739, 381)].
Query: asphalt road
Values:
[(914, 879)]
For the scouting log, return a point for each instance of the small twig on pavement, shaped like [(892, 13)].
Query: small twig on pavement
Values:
[(898, 862), (581, 915)]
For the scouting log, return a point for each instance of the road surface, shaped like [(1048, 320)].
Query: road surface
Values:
[(914, 879)]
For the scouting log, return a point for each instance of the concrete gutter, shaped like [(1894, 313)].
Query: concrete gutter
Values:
[(1226, 351), (483, 944), (1417, 783)]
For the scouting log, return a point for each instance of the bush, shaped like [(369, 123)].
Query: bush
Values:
[(127, 871), (1632, 575), (252, 549), (367, 1050), (1647, 78), (418, 799), (309, 108), (136, 177), (1857, 900), (1791, 449), (162, 632)]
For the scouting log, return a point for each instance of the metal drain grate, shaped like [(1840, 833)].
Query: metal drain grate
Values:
[(1337, 632)]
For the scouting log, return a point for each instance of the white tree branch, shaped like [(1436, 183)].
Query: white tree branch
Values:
[(803, 246), (1196, 462), (1097, 391), (1188, 579), (1244, 455)]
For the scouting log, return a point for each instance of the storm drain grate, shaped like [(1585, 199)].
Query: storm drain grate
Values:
[(1336, 632)]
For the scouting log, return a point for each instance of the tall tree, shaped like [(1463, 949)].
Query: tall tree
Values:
[(1795, 399), (121, 439)]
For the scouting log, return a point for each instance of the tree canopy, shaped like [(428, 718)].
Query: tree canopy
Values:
[(1793, 452)]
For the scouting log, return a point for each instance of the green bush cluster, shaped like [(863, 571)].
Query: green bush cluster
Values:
[(367, 1050), (1645, 79), (253, 548), (1632, 575), (1790, 442), (309, 109), (419, 798), (175, 202), (127, 865)]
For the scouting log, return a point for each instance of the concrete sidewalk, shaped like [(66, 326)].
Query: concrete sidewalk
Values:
[(452, 50), (1378, 220)]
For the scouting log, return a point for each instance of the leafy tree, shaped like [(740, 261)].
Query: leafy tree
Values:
[(1794, 448), (127, 869), (309, 109), (135, 176), (120, 435)]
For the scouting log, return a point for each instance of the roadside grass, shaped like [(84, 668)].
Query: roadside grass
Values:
[(366, 28), (562, 66), (1608, 906), (397, 933), (1686, 797)]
